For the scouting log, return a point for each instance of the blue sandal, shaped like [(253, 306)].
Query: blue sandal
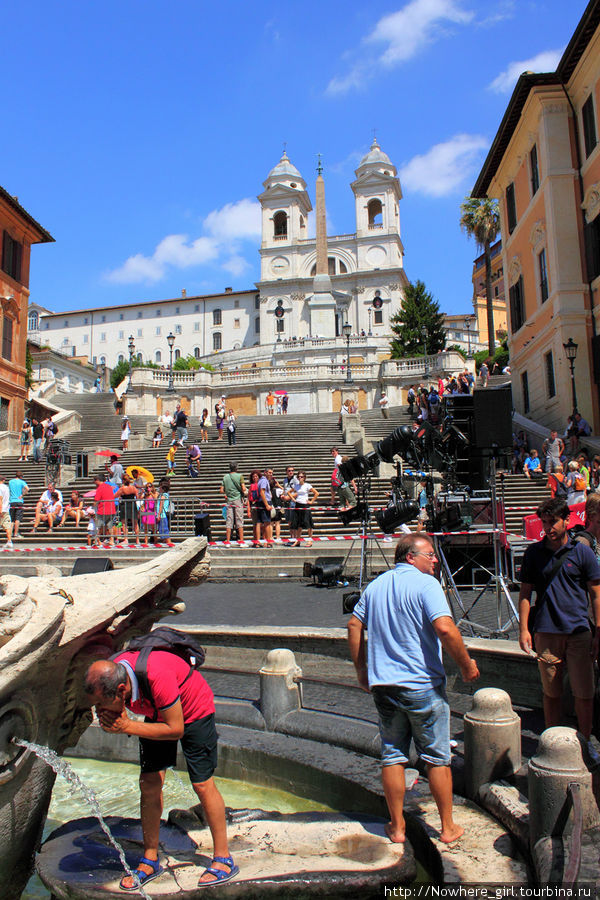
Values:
[(220, 875), (143, 876)]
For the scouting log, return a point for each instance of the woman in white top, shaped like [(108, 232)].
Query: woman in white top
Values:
[(125, 432), (304, 497)]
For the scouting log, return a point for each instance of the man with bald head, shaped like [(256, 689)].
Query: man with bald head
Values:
[(180, 708)]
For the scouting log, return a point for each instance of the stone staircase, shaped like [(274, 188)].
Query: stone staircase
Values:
[(521, 498)]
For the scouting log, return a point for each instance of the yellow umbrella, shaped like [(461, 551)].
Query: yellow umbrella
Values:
[(144, 473)]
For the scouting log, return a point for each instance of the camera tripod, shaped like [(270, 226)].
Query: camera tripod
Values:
[(365, 535)]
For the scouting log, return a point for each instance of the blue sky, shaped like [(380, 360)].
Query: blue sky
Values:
[(139, 134)]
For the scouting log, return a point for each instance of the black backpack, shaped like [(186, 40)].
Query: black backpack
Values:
[(169, 640), (561, 491)]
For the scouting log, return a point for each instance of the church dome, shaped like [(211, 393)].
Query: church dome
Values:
[(284, 168), (376, 159)]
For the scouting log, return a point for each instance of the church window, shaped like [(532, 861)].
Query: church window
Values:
[(158, 356), (139, 332), (217, 340), (140, 357), (177, 354), (157, 330), (280, 326), (197, 352), (589, 125), (140, 314), (343, 268), (236, 304), (121, 358), (257, 301), (375, 212), (236, 323), (32, 324), (86, 338), (159, 312), (280, 224), (178, 329), (196, 326), (217, 317), (378, 317), (331, 265), (121, 335), (103, 319)]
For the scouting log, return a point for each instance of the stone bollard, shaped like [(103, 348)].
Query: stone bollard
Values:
[(558, 762), (279, 693), (492, 740)]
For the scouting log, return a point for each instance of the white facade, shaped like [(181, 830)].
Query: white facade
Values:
[(367, 282)]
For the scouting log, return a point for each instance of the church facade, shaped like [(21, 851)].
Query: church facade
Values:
[(309, 286)]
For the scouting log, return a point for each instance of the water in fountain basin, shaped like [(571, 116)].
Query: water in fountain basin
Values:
[(117, 785), (66, 771)]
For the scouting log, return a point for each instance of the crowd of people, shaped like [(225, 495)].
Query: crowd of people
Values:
[(35, 437), (563, 462)]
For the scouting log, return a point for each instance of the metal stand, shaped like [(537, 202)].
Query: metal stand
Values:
[(365, 536), (497, 579)]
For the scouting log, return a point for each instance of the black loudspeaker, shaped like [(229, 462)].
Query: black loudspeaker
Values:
[(493, 417), (92, 564), (202, 526), (81, 466)]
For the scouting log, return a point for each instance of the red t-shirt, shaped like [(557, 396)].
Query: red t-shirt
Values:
[(166, 674), (105, 499)]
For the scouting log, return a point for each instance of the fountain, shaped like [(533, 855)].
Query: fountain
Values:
[(50, 629)]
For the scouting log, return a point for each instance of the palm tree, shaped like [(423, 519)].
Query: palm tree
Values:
[(480, 219)]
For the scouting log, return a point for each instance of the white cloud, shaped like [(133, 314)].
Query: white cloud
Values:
[(444, 167), (237, 265), (405, 32), (225, 227), (546, 61), (235, 220)]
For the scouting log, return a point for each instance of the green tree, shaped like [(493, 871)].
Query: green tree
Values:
[(480, 219), (418, 326), (28, 367), (121, 370)]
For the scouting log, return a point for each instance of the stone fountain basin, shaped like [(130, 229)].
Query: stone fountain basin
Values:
[(280, 855)]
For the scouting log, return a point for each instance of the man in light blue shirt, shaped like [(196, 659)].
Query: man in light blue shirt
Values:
[(408, 622), (17, 488)]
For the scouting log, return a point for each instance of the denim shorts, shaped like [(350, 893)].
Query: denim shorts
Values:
[(423, 715)]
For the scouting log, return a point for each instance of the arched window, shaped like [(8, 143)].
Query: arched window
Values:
[(121, 358), (140, 357), (217, 317), (197, 352), (280, 224), (33, 320), (217, 340), (375, 211), (177, 354), (334, 266), (102, 360), (158, 356)]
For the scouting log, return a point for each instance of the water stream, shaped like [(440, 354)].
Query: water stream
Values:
[(66, 771)]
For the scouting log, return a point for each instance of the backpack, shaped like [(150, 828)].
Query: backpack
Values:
[(336, 478), (580, 483), (169, 640), (561, 491)]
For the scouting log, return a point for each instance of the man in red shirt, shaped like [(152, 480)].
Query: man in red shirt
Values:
[(104, 498), (182, 708)]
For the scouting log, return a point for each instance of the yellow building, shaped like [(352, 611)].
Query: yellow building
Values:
[(544, 168), (498, 297)]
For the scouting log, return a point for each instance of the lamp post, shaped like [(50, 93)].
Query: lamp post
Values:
[(424, 336), (347, 328), (370, 311), (131, 348), (468, 330), (571, 353), (170, 342)]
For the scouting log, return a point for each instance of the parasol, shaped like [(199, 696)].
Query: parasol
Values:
[(280, 393), (144, 473), (107, 453)]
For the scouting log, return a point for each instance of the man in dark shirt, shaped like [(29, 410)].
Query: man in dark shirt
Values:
[(560, 631), (181, 425), (38, 437)]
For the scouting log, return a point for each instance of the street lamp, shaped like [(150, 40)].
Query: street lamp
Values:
[(424, 336), (370, 311), (347, 328), (468, 330), (131, 348), (571, 353), (170, 342)]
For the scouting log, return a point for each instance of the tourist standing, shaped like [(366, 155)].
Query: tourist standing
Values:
[(384, 405), (264, 509), (563, 573), (38, 437), (231, 428), (25, 440), (253, 503), (181, 425), (127, 495), (270, 403), (204, 426), (234, 489), (553, 448), (408, 621), (125, 432), (17, 488), (304, 498), (5, 513), (104, 501)]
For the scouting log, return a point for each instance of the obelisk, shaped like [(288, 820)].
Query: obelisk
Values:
[(322, 304)]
